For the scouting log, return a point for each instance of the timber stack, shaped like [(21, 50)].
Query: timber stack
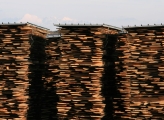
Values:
[(78, 55), (85, 72), (142, 73), (16, 57)]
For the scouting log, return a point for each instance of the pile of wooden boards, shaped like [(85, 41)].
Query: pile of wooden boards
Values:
[(16, 42), (140, 74), (75, 61), (88, 73)]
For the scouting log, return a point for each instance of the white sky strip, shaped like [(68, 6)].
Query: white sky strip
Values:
[(114, 12)]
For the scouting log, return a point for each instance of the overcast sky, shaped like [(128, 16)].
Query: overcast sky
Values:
[(113, 12)]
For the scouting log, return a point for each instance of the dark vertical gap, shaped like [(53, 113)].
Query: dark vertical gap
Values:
[(42, 95), (36, 69), (108, 79)]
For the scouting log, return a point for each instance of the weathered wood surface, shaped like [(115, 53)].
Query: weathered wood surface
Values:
[(141, 75), (77, 65), (15, 45)]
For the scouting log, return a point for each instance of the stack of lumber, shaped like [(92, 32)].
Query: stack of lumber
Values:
[(51, 76), (78, 68), (141, 74), (15, 45), (121, 101)]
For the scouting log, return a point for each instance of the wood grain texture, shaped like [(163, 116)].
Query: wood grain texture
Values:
[(15, 45), (77, 67), (141, 74)]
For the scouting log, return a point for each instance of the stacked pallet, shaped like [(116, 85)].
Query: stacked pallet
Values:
[(15, 45), (141, 84), (78, 68)]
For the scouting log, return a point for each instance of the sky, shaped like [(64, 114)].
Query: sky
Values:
[(118, 13)]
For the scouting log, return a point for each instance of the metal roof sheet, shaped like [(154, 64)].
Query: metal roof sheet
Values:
[(53, 34), (23, 24), (143, 26), (88, 25)]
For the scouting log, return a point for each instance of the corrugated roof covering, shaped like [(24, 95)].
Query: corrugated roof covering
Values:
[(88, 25), (53, 34), (40, 27), (143, 26)]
